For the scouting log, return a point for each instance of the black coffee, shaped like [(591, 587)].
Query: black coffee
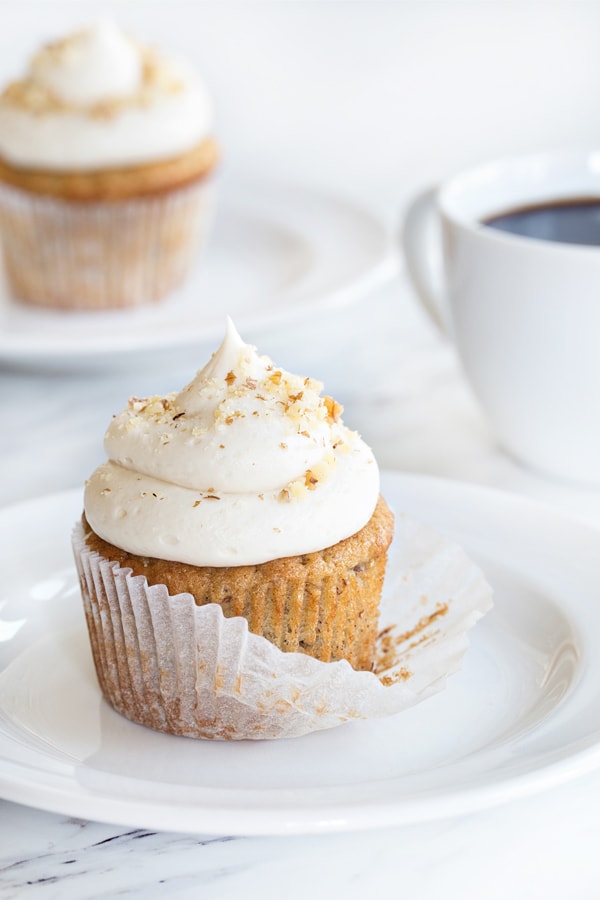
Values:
[(572, 221)]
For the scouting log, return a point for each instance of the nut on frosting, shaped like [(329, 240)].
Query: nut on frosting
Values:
[(247, 463)]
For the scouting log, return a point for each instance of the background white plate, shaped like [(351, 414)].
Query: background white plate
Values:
[(275, 253), (523, 714)]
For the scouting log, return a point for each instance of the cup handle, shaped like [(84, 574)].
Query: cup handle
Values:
[(422, 245)]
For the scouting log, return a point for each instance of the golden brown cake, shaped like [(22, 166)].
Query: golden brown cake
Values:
[(325, 604), (105, 164)]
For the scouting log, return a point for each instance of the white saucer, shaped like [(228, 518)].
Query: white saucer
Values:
[(276, 253), (523, 714)]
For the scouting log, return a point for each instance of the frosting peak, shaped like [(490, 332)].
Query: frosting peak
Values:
[(97, 64), (246, 463)]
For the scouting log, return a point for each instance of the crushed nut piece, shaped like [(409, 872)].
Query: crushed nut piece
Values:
[(334, 409), (309, 480)]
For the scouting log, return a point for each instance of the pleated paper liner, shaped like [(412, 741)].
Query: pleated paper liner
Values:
[(101, 255), (185, 669)]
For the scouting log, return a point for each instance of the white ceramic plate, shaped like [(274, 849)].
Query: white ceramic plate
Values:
[(276, 253), (523, 713)]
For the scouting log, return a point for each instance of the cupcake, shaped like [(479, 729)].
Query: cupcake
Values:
[(242, 498), (106, 150)]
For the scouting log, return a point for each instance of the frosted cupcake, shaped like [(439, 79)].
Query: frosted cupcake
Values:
[(245, 495), (106, 150)]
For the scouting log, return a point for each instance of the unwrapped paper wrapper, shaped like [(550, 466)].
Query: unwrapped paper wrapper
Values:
[(185, 669)]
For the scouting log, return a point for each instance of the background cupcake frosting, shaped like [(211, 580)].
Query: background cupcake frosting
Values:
[(98, 98)]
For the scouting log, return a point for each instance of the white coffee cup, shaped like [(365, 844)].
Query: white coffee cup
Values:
[(524, 313)]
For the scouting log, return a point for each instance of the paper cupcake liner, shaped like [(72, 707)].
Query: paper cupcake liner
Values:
[(63, 254), (173, 666)]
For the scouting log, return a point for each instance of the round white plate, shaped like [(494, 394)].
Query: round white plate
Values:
[(523, 713), (276, 253)]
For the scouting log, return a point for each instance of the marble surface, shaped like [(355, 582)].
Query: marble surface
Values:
[(402, 388)]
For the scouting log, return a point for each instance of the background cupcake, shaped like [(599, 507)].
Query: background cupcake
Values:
[(106, 150)]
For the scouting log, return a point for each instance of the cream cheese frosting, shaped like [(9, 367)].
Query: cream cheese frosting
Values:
[(246, 464), (97, 99)]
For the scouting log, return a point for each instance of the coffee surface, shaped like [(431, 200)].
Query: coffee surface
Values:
[(572, 221)]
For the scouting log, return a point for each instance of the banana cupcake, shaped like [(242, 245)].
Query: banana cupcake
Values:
[(106, 153), (242, 497)]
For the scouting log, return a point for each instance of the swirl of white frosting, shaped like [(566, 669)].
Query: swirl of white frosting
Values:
[(96, 100), (246, 464)]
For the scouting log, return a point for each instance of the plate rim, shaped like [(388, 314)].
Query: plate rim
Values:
[(21, 348), (18, 784)]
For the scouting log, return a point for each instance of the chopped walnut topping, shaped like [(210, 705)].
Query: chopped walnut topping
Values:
[(283, 445), (230, 378), (334, 409), (196, 503), (284, 496), (251, 383), (275, 378), (310, 480), (154, 407)]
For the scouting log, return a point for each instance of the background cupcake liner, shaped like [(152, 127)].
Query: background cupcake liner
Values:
[(64, 254), (173, 666)]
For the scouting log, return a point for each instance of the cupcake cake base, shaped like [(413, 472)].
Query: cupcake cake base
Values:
[(166, 663)]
